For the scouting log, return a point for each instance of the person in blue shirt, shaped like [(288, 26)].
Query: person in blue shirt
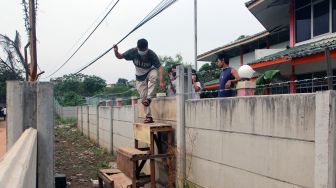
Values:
[(228, 77)]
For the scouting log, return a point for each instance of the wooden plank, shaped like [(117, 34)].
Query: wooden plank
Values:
[(131, 151), (125, 164), (142, 132), (121, 181), (110, 171)]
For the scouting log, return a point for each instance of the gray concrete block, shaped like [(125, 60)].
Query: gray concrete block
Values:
[(123, 128), (282, 159), (325, 156), (45, 128), (212, 175), (15, 111), (124, 113), (287, 116)]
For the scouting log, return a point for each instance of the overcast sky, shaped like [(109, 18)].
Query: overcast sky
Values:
[(60, 23)]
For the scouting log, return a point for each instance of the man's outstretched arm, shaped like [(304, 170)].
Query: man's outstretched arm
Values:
[(116, 52)]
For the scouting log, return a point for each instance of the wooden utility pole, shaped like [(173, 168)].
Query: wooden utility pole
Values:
[(32, 39)]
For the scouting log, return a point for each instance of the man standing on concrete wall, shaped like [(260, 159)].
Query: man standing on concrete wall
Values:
[(228, 77), (147, 65)]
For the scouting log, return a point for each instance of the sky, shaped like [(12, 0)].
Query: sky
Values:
[(61, 24)]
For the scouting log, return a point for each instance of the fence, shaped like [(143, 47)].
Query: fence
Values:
[(65, 112), (18, 166), (255, 141)]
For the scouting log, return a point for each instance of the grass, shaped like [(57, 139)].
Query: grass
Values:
[(75, 154)]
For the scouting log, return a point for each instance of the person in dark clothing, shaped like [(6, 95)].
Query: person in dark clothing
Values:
[(228, 77), (147, 65)]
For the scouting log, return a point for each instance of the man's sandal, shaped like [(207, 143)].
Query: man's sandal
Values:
[(146, 102), (148, 120)]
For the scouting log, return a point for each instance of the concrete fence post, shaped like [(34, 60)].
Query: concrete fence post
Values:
[(15, 105), (180, 126), (118, 102), (325, 157), (45, 134), (97, 120), (189, 83), (134, 100), (108, 103), (111, 133)]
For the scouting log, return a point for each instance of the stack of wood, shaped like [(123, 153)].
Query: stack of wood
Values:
[(131, 160)]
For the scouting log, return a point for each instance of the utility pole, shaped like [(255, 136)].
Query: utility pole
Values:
[(32, 39), (195, 24)]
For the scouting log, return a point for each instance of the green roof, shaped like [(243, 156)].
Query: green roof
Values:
[(211, 82), (302, 50)]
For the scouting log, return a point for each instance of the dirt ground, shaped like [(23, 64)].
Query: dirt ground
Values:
[(77, 157), (2, 137)]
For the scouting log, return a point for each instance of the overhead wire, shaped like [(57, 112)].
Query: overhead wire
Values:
[(89, 28), (157, 10), (75, 52)]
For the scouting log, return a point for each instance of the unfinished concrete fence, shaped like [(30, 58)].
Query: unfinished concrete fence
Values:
[(282, 141), (18, 166)]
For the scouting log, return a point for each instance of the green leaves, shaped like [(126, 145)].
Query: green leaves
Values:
[(71, 89)]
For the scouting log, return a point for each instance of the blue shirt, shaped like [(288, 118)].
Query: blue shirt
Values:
[(225, 76)]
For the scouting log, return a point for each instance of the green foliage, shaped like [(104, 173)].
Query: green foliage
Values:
[(208, 72), (6, 74), (71, 89), (12, 64), (93, 84), (69, 121), (120, 91), (72, 99), (122, 82), (167, 63)]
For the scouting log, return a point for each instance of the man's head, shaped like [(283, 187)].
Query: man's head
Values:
[(142, 46), (194, 76), (223, 61)]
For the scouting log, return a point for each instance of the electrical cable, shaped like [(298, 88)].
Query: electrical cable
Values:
[(157, 10), (84, 40)]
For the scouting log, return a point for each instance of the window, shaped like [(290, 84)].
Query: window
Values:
[(334, 16), (312, 18), (321, 17), (303, 24)]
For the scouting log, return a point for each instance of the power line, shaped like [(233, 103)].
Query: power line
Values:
[(84, 40), (157, 10), (87, 30)]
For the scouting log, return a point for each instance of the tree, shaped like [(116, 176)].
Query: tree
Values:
[(168, 62), (70, 89), (93, 84), (208, 72), (12, 57), (122, 82), (12, 63)]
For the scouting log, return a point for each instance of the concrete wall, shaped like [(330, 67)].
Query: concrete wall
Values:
[(79, 119), (105, 128), (258, 142), (65, 112), (123, 120), (93, 123), (85, 120), (255, 141), (18, 166)]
